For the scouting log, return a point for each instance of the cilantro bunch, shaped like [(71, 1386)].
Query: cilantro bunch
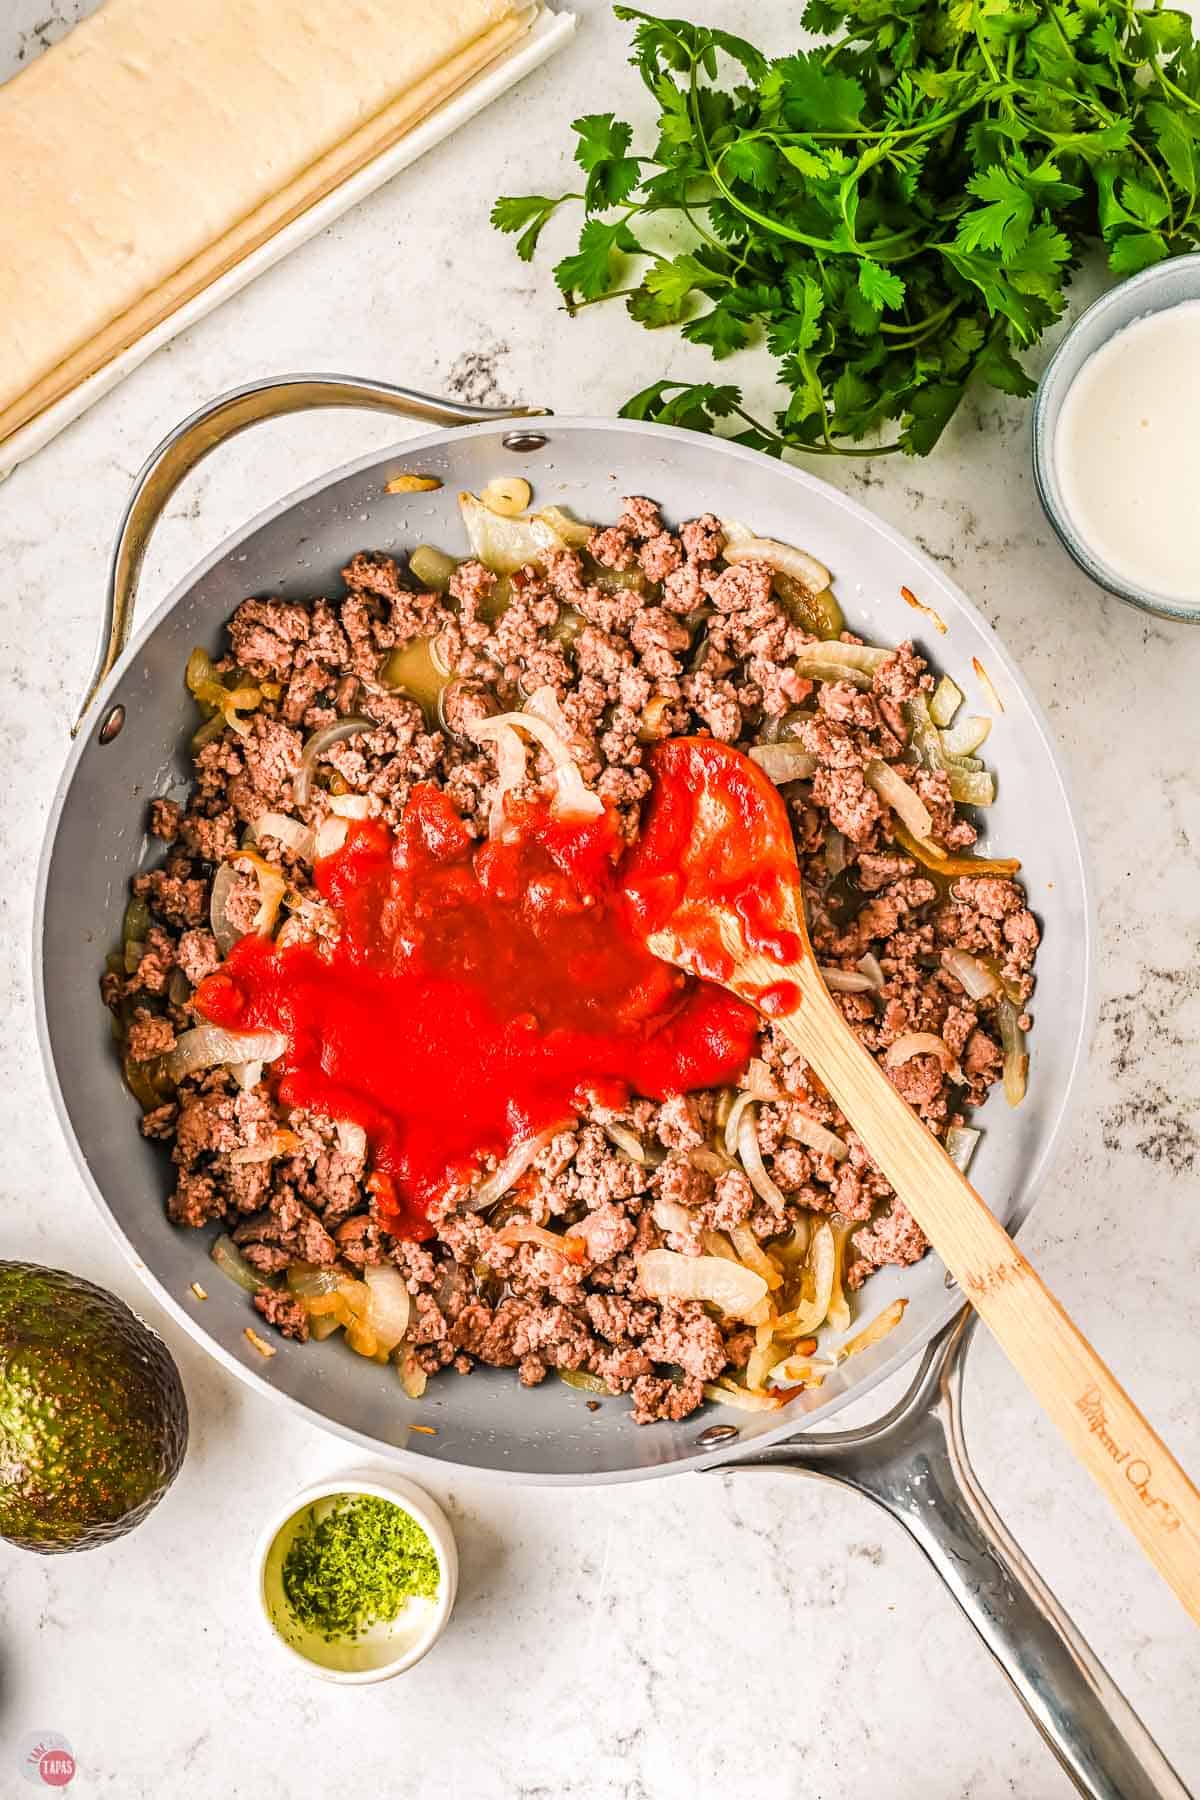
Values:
[(894, 214)]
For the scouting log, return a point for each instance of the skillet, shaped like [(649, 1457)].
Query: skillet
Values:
[(132, 744)]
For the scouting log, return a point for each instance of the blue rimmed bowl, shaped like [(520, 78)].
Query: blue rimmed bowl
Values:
[(1158, 289)]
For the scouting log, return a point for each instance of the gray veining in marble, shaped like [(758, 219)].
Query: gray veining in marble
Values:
[(768, 1637)]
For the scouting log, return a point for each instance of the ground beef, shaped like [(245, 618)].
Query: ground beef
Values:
[(644, 635), (287, 1315)]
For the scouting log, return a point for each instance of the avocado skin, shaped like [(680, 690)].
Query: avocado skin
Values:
[(93, 1416)]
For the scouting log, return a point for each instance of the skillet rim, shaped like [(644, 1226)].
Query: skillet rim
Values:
[(711, 1457)]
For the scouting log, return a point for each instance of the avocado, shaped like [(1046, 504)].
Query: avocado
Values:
[(93, 1417)]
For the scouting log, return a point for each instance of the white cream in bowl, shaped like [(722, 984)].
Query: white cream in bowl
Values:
[(1127, 453)]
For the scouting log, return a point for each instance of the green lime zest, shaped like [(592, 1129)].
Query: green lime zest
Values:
[(356, 1566)]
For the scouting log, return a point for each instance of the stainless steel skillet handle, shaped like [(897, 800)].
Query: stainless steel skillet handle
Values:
[(214, 424), (914, 1464)]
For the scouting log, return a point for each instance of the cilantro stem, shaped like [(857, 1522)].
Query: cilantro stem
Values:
[(877, 248), (922, 327)]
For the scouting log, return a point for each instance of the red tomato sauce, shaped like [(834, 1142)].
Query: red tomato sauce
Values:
[(716, 842), (475, 995)]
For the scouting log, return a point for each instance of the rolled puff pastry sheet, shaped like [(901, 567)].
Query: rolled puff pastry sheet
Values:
[(157, 128)]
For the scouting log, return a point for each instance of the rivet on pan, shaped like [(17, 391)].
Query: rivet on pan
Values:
[(716, 1434), (111, 727), (524, 440), (948, 1280)]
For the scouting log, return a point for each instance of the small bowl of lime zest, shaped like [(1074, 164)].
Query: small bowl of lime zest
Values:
[(356, 1577)]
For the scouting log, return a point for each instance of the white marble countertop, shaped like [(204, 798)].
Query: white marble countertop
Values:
[(773, 1637)]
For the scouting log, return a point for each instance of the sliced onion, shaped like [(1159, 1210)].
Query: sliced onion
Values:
[(815, 667), (922, 1043), (350, 806), (810, 1131), (332, 833), (784, 762), (573, 799), (836, 855), (864, 659), (847, 981), (272, 886), (960, 1145), (391, 1304), (904, 801), (207, 1045), (972, 788), (232, 1263), (715, 1242), (574, 533), (812, 575), (312, 1281), (246, 1074), (323, 739), (511, 769), (751, 1252), (730, 1286), (729, 1394), (752, 1162), (1016, 1057), (506, 545), (289, 832), (967, 736), (838, 1316), (878, 1329), (543, 704), (926, 738), (226, 934), (523, 1231), (627, 1141), (870, 965), (280, 1143), (820, 1269), (803, 1371), (945, 702), (975, 977), (709, 1161), (520, 1157), (734, 1120)]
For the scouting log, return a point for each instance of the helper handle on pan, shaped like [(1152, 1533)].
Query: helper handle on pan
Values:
[(1121, 1451), (219, 420), (914, 1464)]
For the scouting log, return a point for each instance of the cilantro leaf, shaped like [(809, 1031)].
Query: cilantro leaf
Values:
[(695, 405), (751, 160), (812, 97), (1000, 369), (528, 214), (1137, 250), (1003, 224), (589, 272), (720, 329), (612, 175), (880, 287)]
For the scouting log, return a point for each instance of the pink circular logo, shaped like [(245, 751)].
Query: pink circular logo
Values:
[(46, 1759)]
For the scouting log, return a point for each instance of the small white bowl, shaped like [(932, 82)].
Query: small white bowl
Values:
[(1156, 289), (384, 1649)]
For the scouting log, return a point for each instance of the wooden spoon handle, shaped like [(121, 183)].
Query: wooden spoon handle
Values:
[(1099, 1421)]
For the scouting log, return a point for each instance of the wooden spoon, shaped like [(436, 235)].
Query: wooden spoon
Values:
[(714, 884)]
